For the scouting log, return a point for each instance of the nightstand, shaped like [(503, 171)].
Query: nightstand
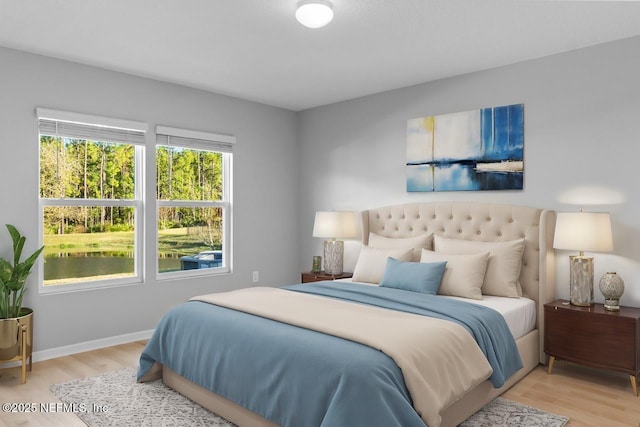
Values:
[(594, 337), (309, 276)]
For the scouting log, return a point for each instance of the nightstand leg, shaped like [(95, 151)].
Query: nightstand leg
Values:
[(552, 360), (634, 386)]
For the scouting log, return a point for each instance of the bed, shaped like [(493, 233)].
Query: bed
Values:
[(455, 230)]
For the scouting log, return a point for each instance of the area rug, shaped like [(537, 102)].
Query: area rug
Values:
[(504, 412), (116, 399)]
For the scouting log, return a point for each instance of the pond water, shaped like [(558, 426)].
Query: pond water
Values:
[(97, 264)]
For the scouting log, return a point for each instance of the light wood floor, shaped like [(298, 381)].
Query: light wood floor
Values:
[(589, 397), (55, 371)]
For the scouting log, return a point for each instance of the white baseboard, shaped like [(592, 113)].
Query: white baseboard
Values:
[(68, 350)]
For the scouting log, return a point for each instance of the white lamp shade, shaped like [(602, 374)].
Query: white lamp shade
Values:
[(314, 13), (335, 225), (583, 231)]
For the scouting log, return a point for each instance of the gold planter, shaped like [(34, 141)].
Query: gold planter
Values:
[(16, 340)]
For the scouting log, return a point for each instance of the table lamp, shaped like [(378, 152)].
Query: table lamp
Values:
[(333, 226), (582, 231)]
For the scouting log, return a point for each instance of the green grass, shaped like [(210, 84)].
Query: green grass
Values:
[(176, 242), (119, 241)]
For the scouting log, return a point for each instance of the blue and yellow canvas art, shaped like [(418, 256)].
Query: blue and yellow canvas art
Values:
[(470, 150)]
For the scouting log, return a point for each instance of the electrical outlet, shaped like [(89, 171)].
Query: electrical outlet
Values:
[(256, 276)]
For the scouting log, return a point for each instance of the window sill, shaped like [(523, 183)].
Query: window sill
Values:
[(184, 274), (89, 285)]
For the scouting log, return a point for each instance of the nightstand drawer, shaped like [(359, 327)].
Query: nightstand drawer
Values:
[(597, 339), (310, 276), (314, 278)]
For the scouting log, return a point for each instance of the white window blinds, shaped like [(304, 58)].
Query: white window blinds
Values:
[(194, 139), (84, 126)]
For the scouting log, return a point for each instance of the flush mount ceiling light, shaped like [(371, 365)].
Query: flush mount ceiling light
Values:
[(314, 13)]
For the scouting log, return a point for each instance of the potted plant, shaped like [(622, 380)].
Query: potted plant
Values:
[(13, 275)]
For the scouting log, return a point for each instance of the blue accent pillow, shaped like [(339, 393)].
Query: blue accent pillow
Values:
[(413, 276)]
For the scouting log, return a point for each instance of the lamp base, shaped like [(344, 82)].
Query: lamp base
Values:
[(581, 280), (333, 256)]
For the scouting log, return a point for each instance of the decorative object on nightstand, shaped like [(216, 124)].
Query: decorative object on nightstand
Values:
[(334, 225), (612, 288), (316, 267), (582, 231)]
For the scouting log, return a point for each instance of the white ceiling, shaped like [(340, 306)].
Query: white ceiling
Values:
[(256, 50)]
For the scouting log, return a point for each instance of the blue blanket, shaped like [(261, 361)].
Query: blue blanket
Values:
[(294, 376), (487, 326)]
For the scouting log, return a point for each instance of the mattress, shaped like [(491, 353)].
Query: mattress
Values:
[(519, 313)]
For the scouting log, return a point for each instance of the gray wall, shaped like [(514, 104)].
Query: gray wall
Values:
[(582, 131), (265, 187), (581, 144)]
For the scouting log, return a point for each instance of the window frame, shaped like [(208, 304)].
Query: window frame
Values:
[(137, 203), (206, 141), (144, 200)]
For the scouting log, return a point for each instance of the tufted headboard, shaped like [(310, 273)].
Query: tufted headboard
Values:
[(483, 222)]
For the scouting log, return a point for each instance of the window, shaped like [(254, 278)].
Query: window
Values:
[(193, 197), (90, 200)]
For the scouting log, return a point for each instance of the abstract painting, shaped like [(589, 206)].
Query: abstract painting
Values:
[(470, 150)]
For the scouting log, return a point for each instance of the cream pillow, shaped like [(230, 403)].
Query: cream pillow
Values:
[(418, 243), (373, 261), (464, 274), (505, 262)]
